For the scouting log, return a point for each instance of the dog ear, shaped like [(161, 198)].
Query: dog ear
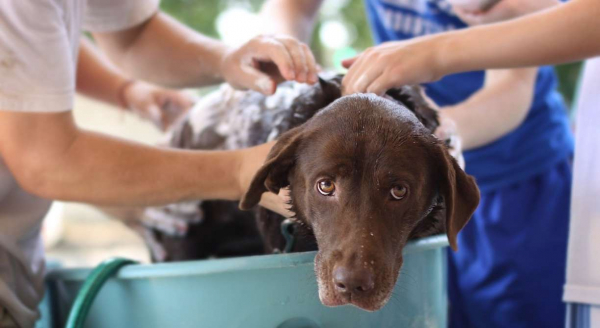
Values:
[(460, 193), (332, 88), (309, 103), (413, 98), (273, 175)]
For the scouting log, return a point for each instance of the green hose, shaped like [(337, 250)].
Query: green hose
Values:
[(94, 282), (287, 230), (91, 287)]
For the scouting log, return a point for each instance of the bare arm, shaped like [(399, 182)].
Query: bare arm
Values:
[(291, 17), (506, 96), (97, 78), (164, 51), (561, 34), (565, 33), (497, 109), (53, 159)]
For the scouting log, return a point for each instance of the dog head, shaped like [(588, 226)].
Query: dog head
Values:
[(366, 174)]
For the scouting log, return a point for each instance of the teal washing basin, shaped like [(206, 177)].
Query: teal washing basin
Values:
[(270, 291)]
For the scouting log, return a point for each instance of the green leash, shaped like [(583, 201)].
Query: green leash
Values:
[(90, 289)]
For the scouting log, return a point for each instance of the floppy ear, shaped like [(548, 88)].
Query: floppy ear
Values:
[(460, 193), (273, 175)]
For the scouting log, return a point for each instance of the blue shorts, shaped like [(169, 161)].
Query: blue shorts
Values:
[(509, 270)]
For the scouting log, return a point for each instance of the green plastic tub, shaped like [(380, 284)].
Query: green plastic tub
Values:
[(271, 291)]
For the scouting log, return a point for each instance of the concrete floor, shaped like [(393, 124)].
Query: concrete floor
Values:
[(79, 235)]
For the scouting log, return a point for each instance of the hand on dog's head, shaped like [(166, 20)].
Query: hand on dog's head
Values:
[(366, 174)]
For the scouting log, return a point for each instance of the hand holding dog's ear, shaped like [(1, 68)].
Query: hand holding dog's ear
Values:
[(273, 175), (254, 190), (265, 61)]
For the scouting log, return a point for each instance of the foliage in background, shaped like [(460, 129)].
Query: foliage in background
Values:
[(568, 76), (201, 16)]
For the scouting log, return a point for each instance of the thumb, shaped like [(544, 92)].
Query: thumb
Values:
[(348, 62), (153, 113), (256, 80)]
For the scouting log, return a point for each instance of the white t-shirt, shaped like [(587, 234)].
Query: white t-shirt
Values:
[(39, 41), (583, 264)]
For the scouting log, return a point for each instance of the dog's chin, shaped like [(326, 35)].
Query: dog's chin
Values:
[(368, 304), (372, 302)]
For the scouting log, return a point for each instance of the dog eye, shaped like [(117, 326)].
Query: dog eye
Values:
[(326, 187), (398, 192)]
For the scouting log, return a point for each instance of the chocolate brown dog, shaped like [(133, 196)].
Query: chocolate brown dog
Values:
[(365, 173)]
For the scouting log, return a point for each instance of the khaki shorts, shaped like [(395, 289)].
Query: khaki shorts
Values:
[(6, 320)]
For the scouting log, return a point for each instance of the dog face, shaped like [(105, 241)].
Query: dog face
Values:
[(366, 175)]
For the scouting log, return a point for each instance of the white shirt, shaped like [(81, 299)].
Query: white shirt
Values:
[(583, 264), (39, 42)]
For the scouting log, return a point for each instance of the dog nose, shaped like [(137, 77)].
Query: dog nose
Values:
[(357, 281)]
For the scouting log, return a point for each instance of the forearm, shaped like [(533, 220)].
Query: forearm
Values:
[(96, 77), (122, 173), (497, 109), (292, 17), (565, 33), (53, 159), (164, 51)]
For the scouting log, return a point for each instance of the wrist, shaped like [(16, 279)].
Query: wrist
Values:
[(456, 52), (221, 54), (446, 58)]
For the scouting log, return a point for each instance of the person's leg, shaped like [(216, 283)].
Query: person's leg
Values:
[(509, 270)]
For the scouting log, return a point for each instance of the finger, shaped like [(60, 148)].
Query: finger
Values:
[(258, 81), (276, 52), (346, 63), (153, 113), (350, 78), (184, 100), (363, 74), (312, 64), (380, 85), (300, 66), (176, 106), (363, 81)]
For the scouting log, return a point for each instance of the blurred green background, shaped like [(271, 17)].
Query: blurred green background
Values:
[(342, 29)]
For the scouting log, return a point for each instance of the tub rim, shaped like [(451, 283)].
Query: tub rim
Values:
[(212, 266)]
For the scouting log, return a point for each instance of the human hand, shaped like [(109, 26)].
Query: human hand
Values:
[(163, 107), (503, 10), (393, 64), (447, 131), (263, 62), (251, 161)]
